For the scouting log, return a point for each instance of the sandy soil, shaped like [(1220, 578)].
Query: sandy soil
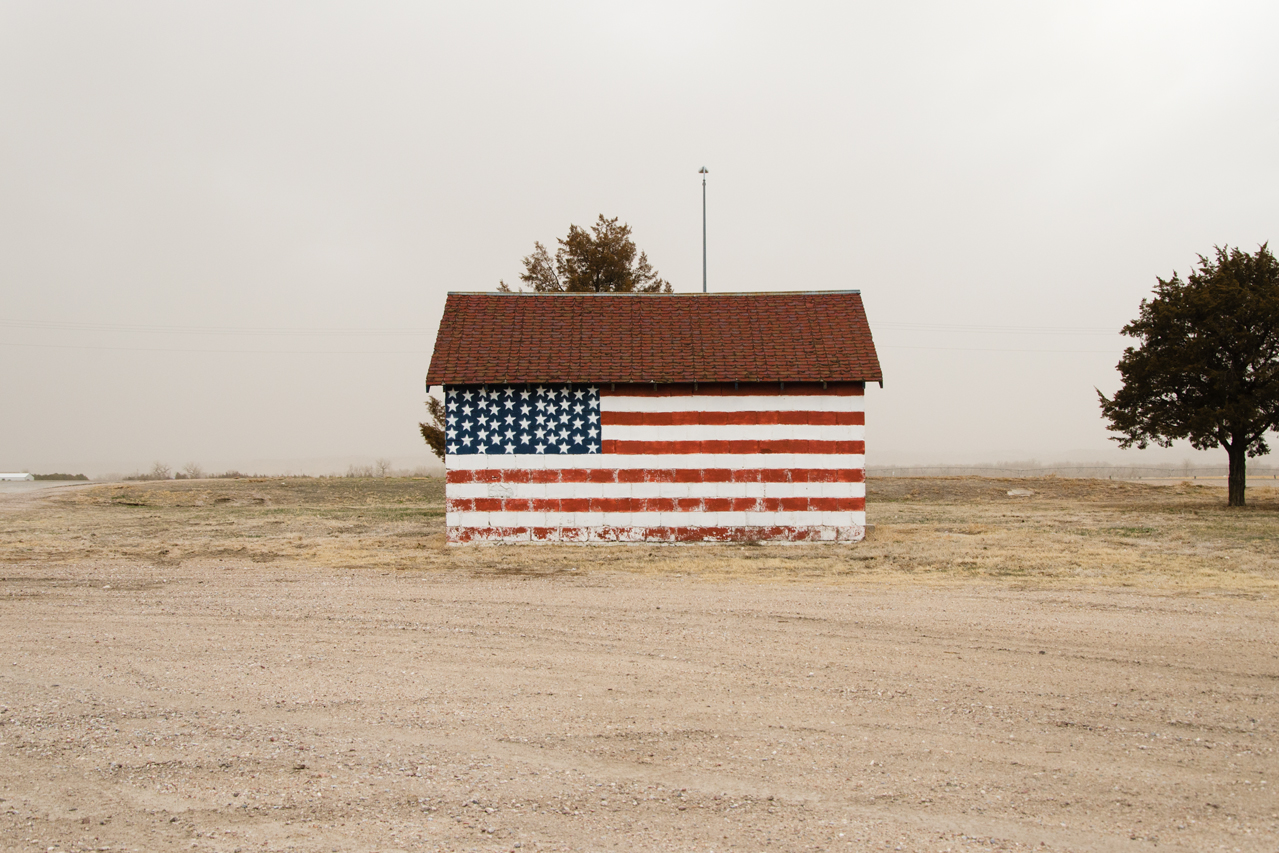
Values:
[(300, 665)]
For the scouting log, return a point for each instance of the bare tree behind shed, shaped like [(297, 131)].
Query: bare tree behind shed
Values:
[(601, 260)]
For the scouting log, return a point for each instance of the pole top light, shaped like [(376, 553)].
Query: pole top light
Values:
[(703, 172)]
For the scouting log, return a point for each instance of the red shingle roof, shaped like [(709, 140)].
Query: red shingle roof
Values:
[(678, 337)]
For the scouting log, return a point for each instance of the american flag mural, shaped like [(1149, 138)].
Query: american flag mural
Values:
[(606, 462)]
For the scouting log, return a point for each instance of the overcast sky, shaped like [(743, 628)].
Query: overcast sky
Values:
[(227, 229)]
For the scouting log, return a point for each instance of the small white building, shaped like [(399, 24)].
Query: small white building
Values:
[(644, 417), (15, 477)]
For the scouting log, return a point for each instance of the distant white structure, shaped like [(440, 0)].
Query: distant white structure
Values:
[(11, 477)]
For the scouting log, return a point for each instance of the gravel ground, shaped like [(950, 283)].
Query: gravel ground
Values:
[(230, 704)]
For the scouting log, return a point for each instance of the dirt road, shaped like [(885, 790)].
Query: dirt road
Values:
[(223, 704)]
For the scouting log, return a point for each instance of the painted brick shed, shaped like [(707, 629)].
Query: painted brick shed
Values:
[(655, 417)]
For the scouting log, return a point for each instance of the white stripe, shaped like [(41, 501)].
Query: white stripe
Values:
[(537, 461), (647, 535), (782, 403), (485, 520), (735, 432), (563, 491)]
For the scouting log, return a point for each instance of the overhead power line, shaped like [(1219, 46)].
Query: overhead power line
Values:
[(318, 331), (411, 331), (989, 329), (422, 353), (425, 353)]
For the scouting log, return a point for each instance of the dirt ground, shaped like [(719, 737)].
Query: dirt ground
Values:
[(303, 665)]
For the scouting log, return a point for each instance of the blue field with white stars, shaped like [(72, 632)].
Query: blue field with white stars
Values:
[(515, 419)]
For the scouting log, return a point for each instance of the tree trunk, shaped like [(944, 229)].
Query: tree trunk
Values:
[(1238, 471)]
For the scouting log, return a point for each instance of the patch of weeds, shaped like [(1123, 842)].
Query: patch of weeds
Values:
[(1130, 531), (1005, 570)]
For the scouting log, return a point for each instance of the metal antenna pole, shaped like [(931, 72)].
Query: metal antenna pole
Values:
[(703, 172)]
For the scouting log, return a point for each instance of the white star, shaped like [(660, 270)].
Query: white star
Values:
[(595, 404), (510, 419), (523, 423), (466, 439), (524, 438), (510, 448), (483, 420), (593, 389), (590, 449), (510, 391), (539, 433), (524, 409), (578, 393), (524, 394), (481, 449), (541, 419), (466, 395), (482, 434), (563, 448), (577, 424), (541, 390), (452, 448), (563, 435), (451, 392), (593, 432), (577, 439), (509, 434), (541, 448), (466, 410)]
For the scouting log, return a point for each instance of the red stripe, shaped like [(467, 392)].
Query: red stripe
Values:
[(659, 475), (613, 445), (460, 535), (800, 504), (730, 389), (731, 418)]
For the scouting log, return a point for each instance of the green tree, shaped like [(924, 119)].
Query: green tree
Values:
[(1207, 365), (433, 431), (602, 260)]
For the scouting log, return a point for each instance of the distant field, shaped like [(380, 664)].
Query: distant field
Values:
[(1069, 532)]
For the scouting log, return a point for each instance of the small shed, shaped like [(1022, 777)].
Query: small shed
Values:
[(723, 417), (16, 477)]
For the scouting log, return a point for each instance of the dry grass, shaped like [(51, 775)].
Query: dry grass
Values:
[(303, 665), (1074, 533)]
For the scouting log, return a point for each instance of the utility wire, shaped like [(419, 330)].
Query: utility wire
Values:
[(425, 353), (333, 331), (207, 330), (414, 331), (225, 351)]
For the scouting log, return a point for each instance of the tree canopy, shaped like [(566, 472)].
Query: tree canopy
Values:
[(1207, 365), (602, 260), (433, 431)]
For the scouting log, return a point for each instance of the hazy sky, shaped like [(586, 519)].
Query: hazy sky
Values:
[(227, 229)]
